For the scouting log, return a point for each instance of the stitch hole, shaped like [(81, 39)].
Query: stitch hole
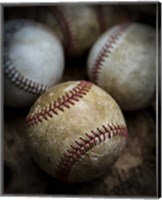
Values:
[(78, 95), (74, 98), (65, 98), (73, 147), (50, 114), (84, 93), (76, 90), (66, 105), (61, 108), (40, 119), (84, 140), (56, 113), (110, 127), (90, 137), (78, 143), (94, 133), (105, 129), (71, 92), (72, 103), (45, 117), (99, 130)]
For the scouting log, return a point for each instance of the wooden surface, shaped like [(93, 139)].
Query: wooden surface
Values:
[(134, 173)]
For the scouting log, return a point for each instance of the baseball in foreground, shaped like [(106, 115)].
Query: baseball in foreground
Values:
[(123, 63), (33, 61), (76, 131)]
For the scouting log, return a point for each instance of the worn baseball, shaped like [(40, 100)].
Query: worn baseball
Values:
[(33, 61), (77, 25), (123, 63), (76, 131)]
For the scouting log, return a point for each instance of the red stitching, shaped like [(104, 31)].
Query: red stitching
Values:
[(65, 101), (81, 146), (66, 28), (24, 83), (10, 71), (106, 50)]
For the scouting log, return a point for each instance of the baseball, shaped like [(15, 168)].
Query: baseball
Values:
[(123, 63), (77, 26), (33, 61), (76, 131)]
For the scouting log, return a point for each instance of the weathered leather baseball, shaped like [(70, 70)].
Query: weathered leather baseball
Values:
[(76, 131), (77, 26), (123, 63), (33, 61)]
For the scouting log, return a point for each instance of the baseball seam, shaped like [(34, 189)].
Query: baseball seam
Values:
[(66, 26), (65, 101), (100, 18), (106, 50), (84, 144), (10, 72)]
